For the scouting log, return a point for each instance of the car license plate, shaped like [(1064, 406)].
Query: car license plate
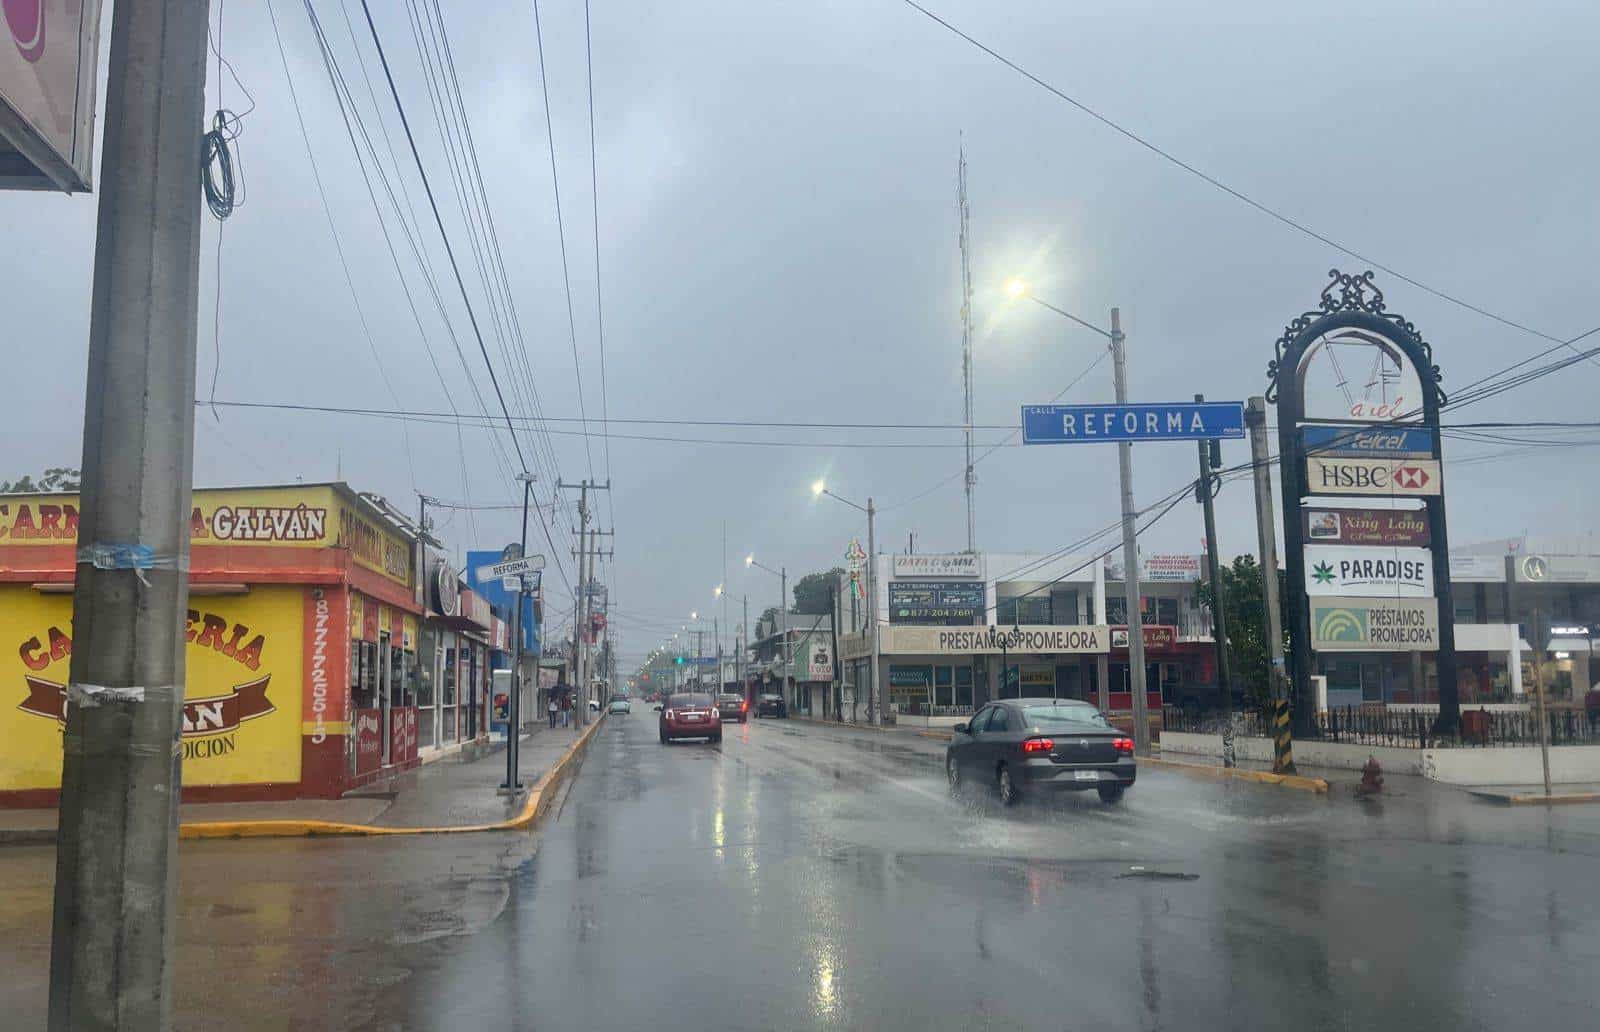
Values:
[(691, 716), (1086, 775)]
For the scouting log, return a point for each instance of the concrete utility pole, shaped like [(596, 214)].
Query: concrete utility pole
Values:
[(581, 608), (1130, 550), (876, 689), (111, 937), (1255, 417), (1219, 623)]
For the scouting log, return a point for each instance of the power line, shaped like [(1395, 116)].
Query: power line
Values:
[(594, 194), (439, 221), (1168, 156), (561, 231)]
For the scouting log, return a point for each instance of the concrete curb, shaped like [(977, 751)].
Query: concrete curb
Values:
[(1535, 799), (540, 796), (941, 736), (1260, 777)]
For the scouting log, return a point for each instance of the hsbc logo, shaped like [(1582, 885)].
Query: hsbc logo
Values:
[(1410, 477), (1342, 476)]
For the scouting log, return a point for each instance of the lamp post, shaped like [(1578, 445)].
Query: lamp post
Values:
[(874, 715), (782, 573), (1130, 548)]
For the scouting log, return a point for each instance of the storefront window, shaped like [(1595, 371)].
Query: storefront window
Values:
[(397, 676), (943, 682), (1063, 607), (364, 674), (1167, 611), (426, 645), (449, 696), (964, 687)]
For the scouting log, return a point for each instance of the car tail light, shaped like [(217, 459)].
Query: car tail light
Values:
[(743, 706), (714, 713), (1037, 745), (671, 715), (1123, 745)]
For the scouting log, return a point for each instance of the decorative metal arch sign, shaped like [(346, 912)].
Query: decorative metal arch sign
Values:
[(1358, 401)]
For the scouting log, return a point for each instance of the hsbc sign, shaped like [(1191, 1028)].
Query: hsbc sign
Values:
[(1411, 478)]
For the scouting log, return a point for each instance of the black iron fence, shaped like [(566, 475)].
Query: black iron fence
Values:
[(1408, 729)]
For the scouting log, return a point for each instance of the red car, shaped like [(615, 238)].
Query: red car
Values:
[(690, 715)]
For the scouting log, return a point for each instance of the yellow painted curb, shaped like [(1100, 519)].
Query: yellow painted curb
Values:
[(1262, 777), (1558, 799), (540, 796)]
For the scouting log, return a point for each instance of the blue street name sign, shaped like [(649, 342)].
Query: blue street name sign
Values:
[(1374, 442), (1170, 421)]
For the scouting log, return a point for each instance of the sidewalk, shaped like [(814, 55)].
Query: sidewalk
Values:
[(450, 794)]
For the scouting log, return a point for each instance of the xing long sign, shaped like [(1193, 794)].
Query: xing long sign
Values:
[(1166, 421), (1334, 526)]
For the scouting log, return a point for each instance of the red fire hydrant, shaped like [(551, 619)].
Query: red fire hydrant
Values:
[(1371, 778)]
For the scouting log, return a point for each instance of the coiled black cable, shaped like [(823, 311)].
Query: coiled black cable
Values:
[(218, 165)]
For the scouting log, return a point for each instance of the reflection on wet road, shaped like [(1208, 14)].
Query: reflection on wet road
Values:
[(798, 876), (808, 877)]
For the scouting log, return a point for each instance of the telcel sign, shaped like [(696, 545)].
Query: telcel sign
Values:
[(48, 53)]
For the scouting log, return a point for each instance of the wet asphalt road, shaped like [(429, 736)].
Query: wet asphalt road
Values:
[(803, 877)]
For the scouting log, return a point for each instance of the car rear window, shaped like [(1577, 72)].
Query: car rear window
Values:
[(1060, 716), (680, 701)]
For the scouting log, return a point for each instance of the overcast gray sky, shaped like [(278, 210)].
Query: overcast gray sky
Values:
[(778, 241)]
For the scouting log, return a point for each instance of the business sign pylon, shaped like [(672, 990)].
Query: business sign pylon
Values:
[(1358, 401)]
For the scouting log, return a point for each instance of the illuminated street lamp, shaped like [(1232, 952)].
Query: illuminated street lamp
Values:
[(1018, 289), (782, 573)]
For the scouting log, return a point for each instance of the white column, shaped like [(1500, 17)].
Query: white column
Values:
[(1514, 660)]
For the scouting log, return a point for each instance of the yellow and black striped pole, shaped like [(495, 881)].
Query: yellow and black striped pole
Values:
[(1282, 738)]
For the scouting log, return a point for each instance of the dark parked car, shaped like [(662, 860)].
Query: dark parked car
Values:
[(1024, 745), (771, 706), (732, 706), (690, 715)]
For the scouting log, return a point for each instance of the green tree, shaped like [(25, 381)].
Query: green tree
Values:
[(1245, 611), (769, 615), (812, 593), (56, 478)]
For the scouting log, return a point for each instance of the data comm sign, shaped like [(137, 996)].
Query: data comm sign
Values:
[(1165, 421), (1358, 400)]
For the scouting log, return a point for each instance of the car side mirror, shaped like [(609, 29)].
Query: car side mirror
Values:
[(960, 729)]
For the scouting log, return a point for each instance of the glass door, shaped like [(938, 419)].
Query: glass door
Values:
[(385, 707)]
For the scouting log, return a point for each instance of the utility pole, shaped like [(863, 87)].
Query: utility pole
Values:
[(514, 704), (111, 938), (1541, 643), (1204, 489), (744, 629), (783, 621), (1255, 417), (1130, 550), (585, 554), (874, 690)]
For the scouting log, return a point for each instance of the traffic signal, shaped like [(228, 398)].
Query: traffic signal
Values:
[(678, 660)]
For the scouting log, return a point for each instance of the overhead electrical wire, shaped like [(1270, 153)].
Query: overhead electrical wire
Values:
[(338, 244), (450, 252), (1238, 195), (561, 231)]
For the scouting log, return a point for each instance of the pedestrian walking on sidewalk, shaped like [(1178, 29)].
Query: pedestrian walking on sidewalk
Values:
[(566, 709), (551, 704)]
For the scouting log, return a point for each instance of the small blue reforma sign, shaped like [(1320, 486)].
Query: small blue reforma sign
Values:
[(1370, 441), (1161, 421)]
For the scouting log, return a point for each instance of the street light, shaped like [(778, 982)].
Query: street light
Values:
[(818, 489), (1130, 549), (782, 573)]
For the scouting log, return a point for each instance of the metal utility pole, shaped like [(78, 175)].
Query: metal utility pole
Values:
[(1255, 417), (111, 938), (1130, 550), (744, 630), (514, 704), (1204, 489), (966, 347), (783, 621)]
